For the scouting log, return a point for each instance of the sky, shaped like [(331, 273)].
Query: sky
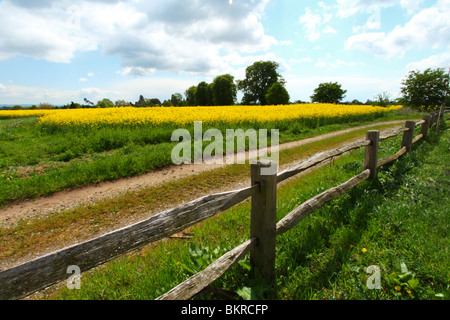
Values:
[(59, 51)]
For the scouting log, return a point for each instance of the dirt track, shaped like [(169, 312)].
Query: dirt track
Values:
[(72, 198)]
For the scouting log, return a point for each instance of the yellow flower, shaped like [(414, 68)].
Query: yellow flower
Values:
[(364, 250), (398, 288), (210, 114), (351, 246), (409, 291)]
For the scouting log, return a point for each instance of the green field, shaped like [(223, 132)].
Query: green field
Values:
[(35, 161), (399, 223)]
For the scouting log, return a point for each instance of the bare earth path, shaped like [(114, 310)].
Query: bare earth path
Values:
[(64, 200)]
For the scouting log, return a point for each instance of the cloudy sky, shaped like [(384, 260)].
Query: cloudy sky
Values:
[(61, 51)]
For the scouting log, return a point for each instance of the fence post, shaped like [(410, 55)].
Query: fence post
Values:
[(371, 155), (408, 135), (425, 126), (263, 222), (440, 118), (433, 119)]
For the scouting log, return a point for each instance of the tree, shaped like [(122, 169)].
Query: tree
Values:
[(224, 90), (105, 103), (141, 102), (153, 102), (259, 77), (190, 95), (167, 103), (177, 99), (425, 90), (74, 105), (122, 103), (277, 94), (45, 105), (382, 100), (356, 102), (328, 92), (203, 94), (89, 103)]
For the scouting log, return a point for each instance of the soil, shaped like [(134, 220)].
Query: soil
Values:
[(64, 200)]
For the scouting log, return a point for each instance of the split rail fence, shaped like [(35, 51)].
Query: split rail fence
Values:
[(27, 278)]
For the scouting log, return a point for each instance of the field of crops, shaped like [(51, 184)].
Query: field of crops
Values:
[(130, 116), (44, 151)]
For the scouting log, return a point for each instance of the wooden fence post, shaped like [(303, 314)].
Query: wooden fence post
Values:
[(425, 126), (371, 155), (440, 118), (433, 119), (408, 135), (263, 222)]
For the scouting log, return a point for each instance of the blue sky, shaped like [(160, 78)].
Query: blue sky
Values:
[(62, 51)]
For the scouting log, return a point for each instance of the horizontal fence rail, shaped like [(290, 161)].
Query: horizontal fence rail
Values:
[(37, 274), (32, 276), (313, 204)]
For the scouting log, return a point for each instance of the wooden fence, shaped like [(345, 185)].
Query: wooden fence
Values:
[(32, 276)]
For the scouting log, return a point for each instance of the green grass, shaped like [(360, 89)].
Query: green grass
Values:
[(400, 219), (399, 223), (36, 161)]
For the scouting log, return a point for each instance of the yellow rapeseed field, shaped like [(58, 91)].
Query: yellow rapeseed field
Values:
[(131, 116)]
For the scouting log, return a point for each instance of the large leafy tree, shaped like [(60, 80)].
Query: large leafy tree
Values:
[(177, 99), (425, 90), (190, 95), (203, 94), (105, 103), (259, 77), (277, 94), (328, 92), (224, 90)]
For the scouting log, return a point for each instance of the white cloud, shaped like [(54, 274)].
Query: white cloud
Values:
[(301, 60), (311, 23), (129, 90), (163, 35), (338, 63), (13, 94), (347, 8), (316, 23), (434, 61), (149, 87), (358, 87), (137, 71), (429, 28), (321, 64), (85, 79), (286, 43), (42, 33), (411, 6), (329, 29)]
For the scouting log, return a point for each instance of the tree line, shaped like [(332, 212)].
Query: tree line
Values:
[(263, 85)]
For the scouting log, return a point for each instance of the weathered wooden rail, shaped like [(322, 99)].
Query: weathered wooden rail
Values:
[(32, 276)]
